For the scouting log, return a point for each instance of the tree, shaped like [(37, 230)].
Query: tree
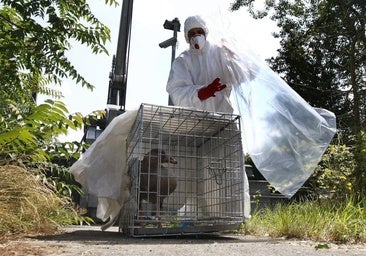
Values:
[(323, 53), (34, 39)]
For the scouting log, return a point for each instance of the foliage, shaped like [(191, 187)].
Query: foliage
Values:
[(359, 149), (324, 220), (34, 39), (58, 178), (27, 130), (334, 175)]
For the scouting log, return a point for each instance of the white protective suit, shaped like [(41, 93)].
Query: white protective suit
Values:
[(191, 71)]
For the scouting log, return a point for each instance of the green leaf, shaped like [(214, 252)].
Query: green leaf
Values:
[(322, 246)]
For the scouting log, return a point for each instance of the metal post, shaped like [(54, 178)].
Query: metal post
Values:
[(175, 26)]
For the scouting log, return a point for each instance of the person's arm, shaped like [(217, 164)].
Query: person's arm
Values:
[(180, 86), (238, 68)]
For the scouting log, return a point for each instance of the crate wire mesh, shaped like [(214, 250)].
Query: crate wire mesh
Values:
[(207, 182)]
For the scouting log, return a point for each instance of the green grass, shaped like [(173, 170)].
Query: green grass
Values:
[(325, 220)]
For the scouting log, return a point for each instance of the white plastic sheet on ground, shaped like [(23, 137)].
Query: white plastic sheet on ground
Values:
[(283, 134), (102, 169)]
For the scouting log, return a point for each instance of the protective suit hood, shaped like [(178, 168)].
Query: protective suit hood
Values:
[(194, 22)]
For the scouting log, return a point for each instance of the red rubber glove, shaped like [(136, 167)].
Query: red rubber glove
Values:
[(210, 90)]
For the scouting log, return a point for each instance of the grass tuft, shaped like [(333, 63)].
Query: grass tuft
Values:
[(325, 220), (28, 206)]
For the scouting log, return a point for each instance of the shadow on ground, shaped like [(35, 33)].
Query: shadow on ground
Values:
[(87, 234)]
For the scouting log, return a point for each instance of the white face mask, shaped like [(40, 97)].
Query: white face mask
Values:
[(198, 42)]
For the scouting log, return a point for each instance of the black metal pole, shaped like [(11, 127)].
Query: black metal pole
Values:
[(118, 76)]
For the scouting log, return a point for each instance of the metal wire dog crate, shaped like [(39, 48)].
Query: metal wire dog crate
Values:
[(192, 162)]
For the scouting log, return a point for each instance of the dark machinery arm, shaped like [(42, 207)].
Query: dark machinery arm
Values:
[(118, 75)]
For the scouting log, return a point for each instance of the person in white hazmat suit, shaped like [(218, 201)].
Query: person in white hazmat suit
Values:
[(202, 77)]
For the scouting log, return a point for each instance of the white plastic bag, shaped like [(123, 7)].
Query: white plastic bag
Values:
[(283, 134)]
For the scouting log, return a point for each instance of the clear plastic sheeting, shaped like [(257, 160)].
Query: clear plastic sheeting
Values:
[(283, 134)]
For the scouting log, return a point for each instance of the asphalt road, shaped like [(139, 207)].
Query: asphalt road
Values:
[(91, 241)]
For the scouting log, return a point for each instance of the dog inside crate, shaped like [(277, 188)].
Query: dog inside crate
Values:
[(154, 179), (183, 176)]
